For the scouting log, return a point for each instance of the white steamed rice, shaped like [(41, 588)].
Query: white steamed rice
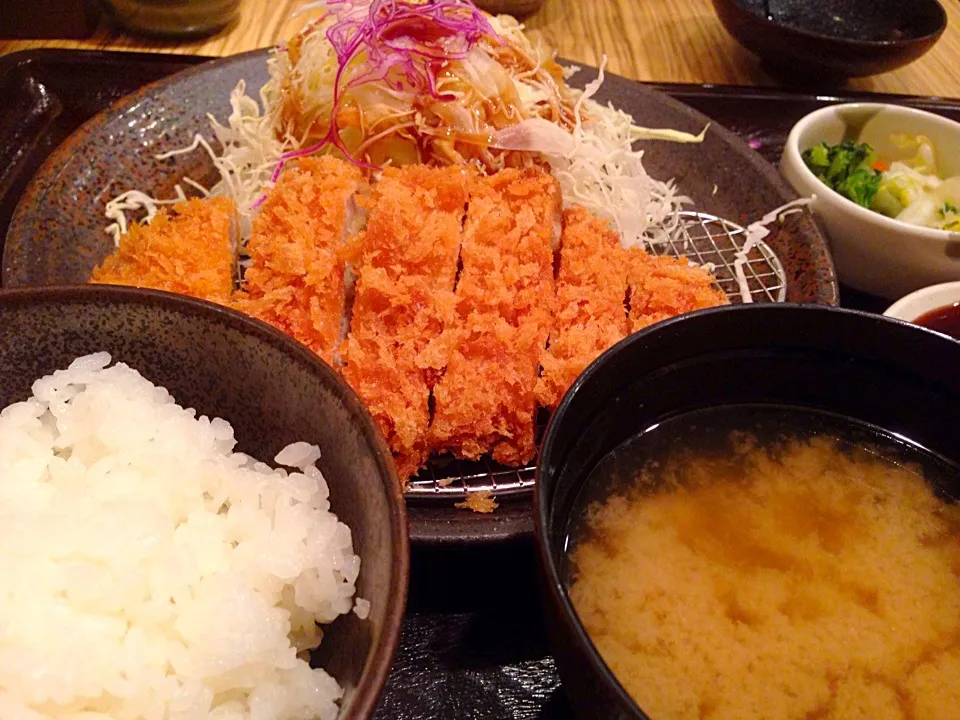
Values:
[(149, 572)]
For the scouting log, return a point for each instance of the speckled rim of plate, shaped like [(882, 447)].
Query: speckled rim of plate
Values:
[(56, 234)]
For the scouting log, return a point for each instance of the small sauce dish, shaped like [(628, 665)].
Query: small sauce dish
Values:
[(936, 307)]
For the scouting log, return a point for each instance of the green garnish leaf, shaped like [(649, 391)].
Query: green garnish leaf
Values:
[(947, 208), (860, 186), (846, 168)]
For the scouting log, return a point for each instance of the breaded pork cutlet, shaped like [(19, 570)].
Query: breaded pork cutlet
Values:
[(662, 287), (406, 264), (189, 249), (295, 279), (485, 399), (590, 313)]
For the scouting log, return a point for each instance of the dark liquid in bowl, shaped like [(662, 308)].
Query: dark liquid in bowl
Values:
[(945, 319), (843, 19)]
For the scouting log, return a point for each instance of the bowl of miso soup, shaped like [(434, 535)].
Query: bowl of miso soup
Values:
[(752, 512)]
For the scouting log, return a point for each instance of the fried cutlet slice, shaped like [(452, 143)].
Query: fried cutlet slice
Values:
[(590, 312), (412, 240), (189, 249), (485, 399), (663, 286), (484, 402), (295, 277), (406, 265)]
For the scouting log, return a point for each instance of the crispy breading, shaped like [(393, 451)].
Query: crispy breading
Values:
[(407, 263), (189, 250), (295, 279), (484, 402), (662, 287), (480, 501), (411, 246), (477, 347), (590, 314), (485, 399), (385, 375)]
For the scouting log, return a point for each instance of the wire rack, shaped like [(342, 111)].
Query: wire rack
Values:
[(718, 243), (704, 239)]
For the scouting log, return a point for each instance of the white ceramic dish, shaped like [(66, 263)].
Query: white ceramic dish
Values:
[(912, 306), (872, 252)]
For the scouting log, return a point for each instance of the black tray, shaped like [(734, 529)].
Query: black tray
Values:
[(473, 644)]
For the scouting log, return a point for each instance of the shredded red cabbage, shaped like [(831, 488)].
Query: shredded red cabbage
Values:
[(413, 37), (403, 43)]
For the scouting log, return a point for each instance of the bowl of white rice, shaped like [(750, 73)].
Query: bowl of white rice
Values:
[(199, 518)]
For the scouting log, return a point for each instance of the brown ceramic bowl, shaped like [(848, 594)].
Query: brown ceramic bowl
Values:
[(822, 40), (273, 391), (173, 18), (517, 8)]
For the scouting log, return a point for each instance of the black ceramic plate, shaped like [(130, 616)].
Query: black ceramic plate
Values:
[(56, 233)]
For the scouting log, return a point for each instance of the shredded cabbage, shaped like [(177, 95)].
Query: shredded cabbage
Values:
[(248, 156), (598, 168), (405, 81)]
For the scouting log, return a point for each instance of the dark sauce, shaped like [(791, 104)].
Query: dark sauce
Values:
[(841, 19), (713, 431), (945, 319)]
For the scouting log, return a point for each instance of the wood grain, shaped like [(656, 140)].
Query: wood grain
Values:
[(654, 40)]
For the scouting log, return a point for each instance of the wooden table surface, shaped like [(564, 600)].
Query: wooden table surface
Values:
[(655, 40)]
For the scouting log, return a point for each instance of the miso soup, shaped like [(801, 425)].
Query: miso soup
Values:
[(762, 562)]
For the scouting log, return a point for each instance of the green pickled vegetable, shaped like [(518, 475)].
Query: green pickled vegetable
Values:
[(846, 168)]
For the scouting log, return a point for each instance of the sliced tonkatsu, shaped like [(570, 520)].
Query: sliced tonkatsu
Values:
[(295, 276), (485, 400), (590, 312), (406, 264), (189, 249), (443, 312), (663, 286)]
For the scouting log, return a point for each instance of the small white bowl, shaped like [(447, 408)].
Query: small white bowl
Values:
[(921, 301), (872, 252)]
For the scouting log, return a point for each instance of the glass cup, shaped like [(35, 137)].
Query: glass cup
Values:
[(175, 18)]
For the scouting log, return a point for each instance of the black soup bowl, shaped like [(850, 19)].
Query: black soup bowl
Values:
[(273, 391), (833, 40), (898, 377)]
